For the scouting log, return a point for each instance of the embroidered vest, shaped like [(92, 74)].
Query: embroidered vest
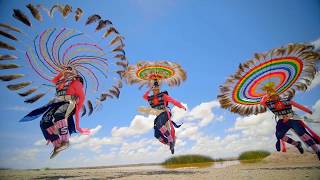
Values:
[(287, 108), (161, 105)]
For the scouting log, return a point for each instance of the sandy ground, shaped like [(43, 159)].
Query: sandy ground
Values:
[(277, 166)]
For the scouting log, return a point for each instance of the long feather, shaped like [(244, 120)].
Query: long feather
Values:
[(8, 66), (120, 73), (14, 87), (115, 92), (124, 64), (28, 92), (34, 98), (10, 77), (118, 48), (104, 96), (7, 35), (10, 27), (79, 13), (56, 7), (119, 84), (90, 107), (17, 14), (6, 46), (7, 57), (117, 39), (120, 56), (93, 18), (103, 24), (66, 10), (84, 111), (35, 12), (110, 30)]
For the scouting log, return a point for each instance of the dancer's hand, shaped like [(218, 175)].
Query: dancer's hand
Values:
[(84, 131)]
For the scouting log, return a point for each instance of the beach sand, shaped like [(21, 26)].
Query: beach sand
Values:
[(290, 165)]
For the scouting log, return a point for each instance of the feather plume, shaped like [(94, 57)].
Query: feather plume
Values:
[(121, 73), (9, 27), (7, 57), (117, 39), (118, 48), (8, 66), (301, 86), (124, 64), (119, 84), (241, 68), (17, 14), (120, 56), (6, 46), (258, 56), (55, 8), (84, 111), (10, 77), (28, 92), (115, 91), (79, 13), (110, 30), (14, 87), (7, 35), (35, 12), (34, 98), (90, 107), (93, 18), (66, 10), (104, 96), (103, 24)]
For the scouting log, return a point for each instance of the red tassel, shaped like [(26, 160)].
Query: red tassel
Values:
[(283, 146), (314, 134)]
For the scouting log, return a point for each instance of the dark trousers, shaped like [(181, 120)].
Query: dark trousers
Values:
[(284, 126), (160, 122)]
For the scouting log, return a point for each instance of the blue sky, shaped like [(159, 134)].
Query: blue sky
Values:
[(208, 38)]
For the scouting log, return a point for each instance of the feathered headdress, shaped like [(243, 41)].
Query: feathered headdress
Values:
[(281, 70), (48, 49)]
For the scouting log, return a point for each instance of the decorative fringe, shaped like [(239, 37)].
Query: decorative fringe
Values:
[(93, 18), (35, 12), (20, 16), (34, 98), (10, 77), (14, 87), (8, 66)]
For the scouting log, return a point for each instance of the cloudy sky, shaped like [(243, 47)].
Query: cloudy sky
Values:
[(209, 39)]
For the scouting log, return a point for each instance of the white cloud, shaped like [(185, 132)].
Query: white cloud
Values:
[(138, 126), (127, 145), (316, 44), (261, 124), (201, 113), (315, 82)]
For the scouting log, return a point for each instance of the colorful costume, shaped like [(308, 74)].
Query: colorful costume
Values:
[(70, 55), (280, 71), (153, 74), (282, 108), (57, 122), (163, 125)]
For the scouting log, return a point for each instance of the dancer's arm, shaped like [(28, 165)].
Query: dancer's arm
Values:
[(146, 95), (263, 100), (301, 107), (168, 99)]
